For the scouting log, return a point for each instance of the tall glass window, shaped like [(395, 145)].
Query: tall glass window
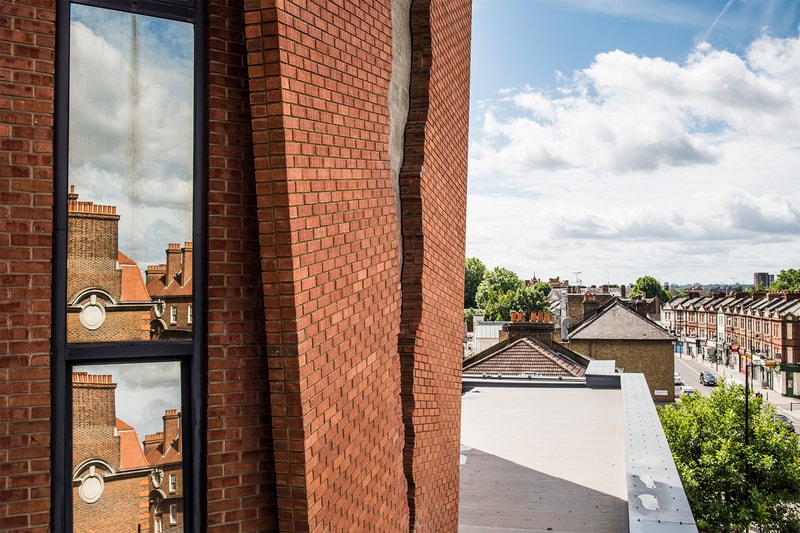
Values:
[(129, 359)]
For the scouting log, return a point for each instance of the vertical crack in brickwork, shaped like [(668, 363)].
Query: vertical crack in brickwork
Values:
[(411, 226)]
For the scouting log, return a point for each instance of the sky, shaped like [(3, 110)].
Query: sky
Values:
[(613, 139), (130, 142)]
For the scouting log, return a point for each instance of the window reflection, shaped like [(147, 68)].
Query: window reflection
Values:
[(129, 249), (127, 454)]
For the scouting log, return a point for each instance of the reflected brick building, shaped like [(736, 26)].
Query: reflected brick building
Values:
[(106, 297), (118, 483), (170, 286)]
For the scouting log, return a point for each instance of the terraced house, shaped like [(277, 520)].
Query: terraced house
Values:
[(758, 332)]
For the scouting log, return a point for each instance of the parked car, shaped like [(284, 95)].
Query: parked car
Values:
[(783, 421), (687, 389), (678, 379), (708, 378)]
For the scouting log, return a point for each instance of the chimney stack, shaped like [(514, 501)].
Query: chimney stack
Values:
[(186, 263), (537, 325), (173, 262)]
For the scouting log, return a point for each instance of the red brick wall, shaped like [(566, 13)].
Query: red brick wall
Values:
[(27, 41), (241, 471), (319, 77), (433, 184)]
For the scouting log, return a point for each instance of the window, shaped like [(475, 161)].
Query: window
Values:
[(173, 482), (159, 526), (189, 315), (128, 83), (173, 314), (173, 513)]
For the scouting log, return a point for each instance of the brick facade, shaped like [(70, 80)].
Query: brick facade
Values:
[(334, 350)]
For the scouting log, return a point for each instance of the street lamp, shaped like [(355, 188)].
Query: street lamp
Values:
[(747, 403)]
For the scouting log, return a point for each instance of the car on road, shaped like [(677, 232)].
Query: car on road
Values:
[(686, 389), (709, 379), (783, 421), (678, 379)]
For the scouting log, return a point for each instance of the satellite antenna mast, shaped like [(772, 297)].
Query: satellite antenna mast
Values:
[(577, 278)]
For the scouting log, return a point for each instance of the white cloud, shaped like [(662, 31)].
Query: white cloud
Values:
[(645, 158), (131, 127)]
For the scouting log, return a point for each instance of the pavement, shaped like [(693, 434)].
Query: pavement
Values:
[(786, 405)]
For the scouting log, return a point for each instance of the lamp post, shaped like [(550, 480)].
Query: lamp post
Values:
[(747, 403)]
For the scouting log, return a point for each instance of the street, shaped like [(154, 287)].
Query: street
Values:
[(689, 370)]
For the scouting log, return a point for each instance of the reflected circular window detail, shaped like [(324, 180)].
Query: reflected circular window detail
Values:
[(91, 487), (93, 315)]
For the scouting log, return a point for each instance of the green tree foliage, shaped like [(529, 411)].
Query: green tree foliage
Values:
[(757, 288), (732, 485), (502, 291), (649, 287), (473, 276), (787, 280), (495, 282), (543, 287)]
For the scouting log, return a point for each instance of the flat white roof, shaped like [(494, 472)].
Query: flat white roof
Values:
[(553, 456), (543, 457)]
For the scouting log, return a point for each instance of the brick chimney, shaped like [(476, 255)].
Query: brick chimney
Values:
[(186, 263), (537, 325), (589, 306), (172, 428), (173, 262), (94, 418), (92, 247), (152, 442), (155, 272)]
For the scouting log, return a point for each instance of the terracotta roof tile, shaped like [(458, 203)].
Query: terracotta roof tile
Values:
[(526, 356), (133, 289), (130, 451)]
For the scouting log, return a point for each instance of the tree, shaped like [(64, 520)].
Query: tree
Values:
[(502, 291), (497, 281), (732, 485), (649, 287), (543, 287), (787, 280), (473, 276)]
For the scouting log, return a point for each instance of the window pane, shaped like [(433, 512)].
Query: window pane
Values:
[(127, 451), (129, 250)]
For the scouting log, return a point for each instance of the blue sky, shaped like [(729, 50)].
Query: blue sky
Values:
[(621, 138)]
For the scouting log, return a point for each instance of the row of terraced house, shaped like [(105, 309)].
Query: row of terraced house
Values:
[(757, 332)]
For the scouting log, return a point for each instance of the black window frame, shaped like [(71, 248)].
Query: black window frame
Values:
[(190, 353)]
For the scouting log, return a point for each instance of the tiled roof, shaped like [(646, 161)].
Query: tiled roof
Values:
[(526, 356), (157, 456), (618, 322), (158, 289), (130, 451), (133, 289)]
